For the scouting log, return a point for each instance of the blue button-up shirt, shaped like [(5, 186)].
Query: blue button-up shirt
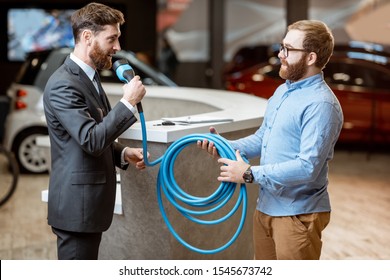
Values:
[(295, 142)]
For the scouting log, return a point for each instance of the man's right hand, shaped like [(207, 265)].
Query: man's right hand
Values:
[(134, 91), (209, 146)]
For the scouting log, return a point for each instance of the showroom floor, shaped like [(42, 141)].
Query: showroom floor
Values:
[(359, 190)]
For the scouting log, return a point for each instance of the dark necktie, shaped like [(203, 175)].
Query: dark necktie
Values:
[(100, 89)]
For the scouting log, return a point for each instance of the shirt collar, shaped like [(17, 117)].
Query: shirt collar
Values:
[(85, 67), (305, 82)]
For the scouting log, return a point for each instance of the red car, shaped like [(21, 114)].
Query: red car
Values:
[(359, 77)]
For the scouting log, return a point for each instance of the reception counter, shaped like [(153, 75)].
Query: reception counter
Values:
[(140, 231)]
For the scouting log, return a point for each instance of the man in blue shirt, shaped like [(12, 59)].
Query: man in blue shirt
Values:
[(295, 142)]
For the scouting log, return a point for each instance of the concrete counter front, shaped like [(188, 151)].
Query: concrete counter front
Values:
[(140, 232)]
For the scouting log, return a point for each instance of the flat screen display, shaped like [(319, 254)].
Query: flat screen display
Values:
[(36, 29)]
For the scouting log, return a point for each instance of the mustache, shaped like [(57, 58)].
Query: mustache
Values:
[(284, 62)]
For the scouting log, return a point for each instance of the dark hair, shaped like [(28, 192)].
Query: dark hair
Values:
[(318, 39), (94, 17)]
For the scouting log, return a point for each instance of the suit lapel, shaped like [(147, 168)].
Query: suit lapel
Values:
[(92, 92)]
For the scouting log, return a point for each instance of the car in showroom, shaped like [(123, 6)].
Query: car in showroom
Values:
[(358, 73), (26, 120)]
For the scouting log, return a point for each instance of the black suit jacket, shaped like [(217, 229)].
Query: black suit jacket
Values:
[(84, 153)]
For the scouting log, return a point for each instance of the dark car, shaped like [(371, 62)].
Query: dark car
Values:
[(359, 75), (26, 120)]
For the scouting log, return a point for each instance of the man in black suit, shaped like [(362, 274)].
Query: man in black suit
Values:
[(83, 128)]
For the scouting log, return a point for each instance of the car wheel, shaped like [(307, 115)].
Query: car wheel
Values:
[(31, 158)]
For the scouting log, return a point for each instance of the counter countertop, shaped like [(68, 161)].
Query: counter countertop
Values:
[(245, 110)]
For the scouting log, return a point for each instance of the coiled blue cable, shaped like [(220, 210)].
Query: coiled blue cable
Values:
[(166, 184)]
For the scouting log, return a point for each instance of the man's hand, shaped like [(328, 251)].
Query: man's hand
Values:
[(232, 170), (134, 91), (209, 147), (135, 156)]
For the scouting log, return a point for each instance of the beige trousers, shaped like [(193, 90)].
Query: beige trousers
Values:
[(288, 238)]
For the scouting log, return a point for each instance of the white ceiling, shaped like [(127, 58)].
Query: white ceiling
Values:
[(371, 24)]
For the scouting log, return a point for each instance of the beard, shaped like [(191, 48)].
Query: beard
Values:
[(294, 72), (100, 58)]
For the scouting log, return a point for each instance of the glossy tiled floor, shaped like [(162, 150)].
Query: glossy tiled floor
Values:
[(359, 228)]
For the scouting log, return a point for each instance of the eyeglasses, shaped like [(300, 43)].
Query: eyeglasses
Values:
[(285, 50)]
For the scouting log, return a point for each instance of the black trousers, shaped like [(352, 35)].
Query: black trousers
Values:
[(77, 245)]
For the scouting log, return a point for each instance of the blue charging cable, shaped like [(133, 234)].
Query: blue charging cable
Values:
[(167, 185), (166, 182)]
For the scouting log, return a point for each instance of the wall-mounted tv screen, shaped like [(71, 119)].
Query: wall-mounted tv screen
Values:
[(37, 29)]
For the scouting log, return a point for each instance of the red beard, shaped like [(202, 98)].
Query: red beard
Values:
[(101, 60), (293, 72)]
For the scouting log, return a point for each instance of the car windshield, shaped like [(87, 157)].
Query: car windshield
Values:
[(31, 67), (359, 73), (39, 66)]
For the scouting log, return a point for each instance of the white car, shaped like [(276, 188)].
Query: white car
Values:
[(26, 119)]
